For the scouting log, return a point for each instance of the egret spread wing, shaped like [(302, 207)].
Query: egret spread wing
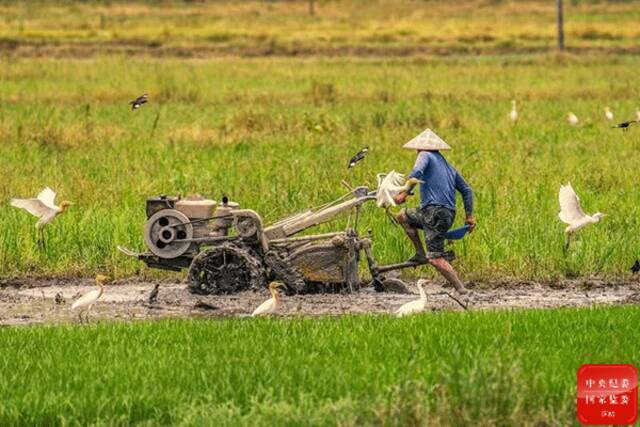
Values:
[(389, 187), (570, 210), (47, 196), (87, 299), (34, 206)]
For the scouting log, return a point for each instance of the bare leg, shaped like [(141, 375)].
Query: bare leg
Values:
[(412, 233), (567, 241), (444, 268)]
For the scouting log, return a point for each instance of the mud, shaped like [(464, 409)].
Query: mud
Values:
[(25, 302), (155, 49)]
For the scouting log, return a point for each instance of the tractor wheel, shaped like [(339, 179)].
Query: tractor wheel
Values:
[(395, 286), (225, 269)]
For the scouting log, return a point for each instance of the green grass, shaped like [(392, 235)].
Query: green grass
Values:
[(354, 27), (500, 368), (275, 135)]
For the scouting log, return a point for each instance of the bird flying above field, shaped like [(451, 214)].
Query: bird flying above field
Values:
[(572, 119), (359, 156), (635, 267), (390, 185), (86, 301), (571, 212), (415, 306), (271, 305), (513, 115), (608, 114), (136, 103), (625, 125), (43, 207)]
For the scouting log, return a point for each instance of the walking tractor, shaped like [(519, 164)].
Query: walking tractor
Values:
[(227, 249)]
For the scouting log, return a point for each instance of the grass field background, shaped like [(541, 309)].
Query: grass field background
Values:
[(488, 369), (275, 135), (356, 27), (274, 132)]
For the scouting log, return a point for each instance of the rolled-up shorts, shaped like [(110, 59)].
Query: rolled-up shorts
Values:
[(435, 221)]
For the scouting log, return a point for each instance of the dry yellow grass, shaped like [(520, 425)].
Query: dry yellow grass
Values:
[(353, 27)]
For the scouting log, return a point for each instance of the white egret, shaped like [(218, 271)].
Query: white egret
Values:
[(572, 119), (638, 114), (608, 114), (42, 207), (390, 186), (271, 305), (86, 301), (571, 213), (415, 306), (513, 115)]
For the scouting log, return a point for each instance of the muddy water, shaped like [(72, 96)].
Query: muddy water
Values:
[(24, 302)]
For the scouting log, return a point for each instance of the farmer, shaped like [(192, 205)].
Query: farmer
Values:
[(438, 203)]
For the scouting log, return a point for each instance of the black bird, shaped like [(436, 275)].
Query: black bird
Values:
[(635, 267), (153, 296), (355, 159), (225, 200), (625, 125), (136, 103), (59, 299)]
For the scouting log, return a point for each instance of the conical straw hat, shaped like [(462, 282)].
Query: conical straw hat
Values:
[(427, 140)]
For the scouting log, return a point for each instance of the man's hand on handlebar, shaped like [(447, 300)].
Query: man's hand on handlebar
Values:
[(400, 198)]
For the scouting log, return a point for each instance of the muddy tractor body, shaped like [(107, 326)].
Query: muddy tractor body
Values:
[(227, 249)]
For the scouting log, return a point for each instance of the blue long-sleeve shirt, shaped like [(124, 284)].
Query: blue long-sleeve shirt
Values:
[(440, 182)]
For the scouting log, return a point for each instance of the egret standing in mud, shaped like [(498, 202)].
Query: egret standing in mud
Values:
[(571, 213), (271, 305), (415, 306), (86, 301), (44, 208)]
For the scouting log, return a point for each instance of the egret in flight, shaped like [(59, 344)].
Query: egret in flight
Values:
[(415, 306), (42, 207), (271, 305), (572, 119), (86, 301), (390, 186), (571, 213), (513, 115), (608, 114)]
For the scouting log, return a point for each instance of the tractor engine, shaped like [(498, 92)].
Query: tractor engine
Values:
[(174, 225)]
